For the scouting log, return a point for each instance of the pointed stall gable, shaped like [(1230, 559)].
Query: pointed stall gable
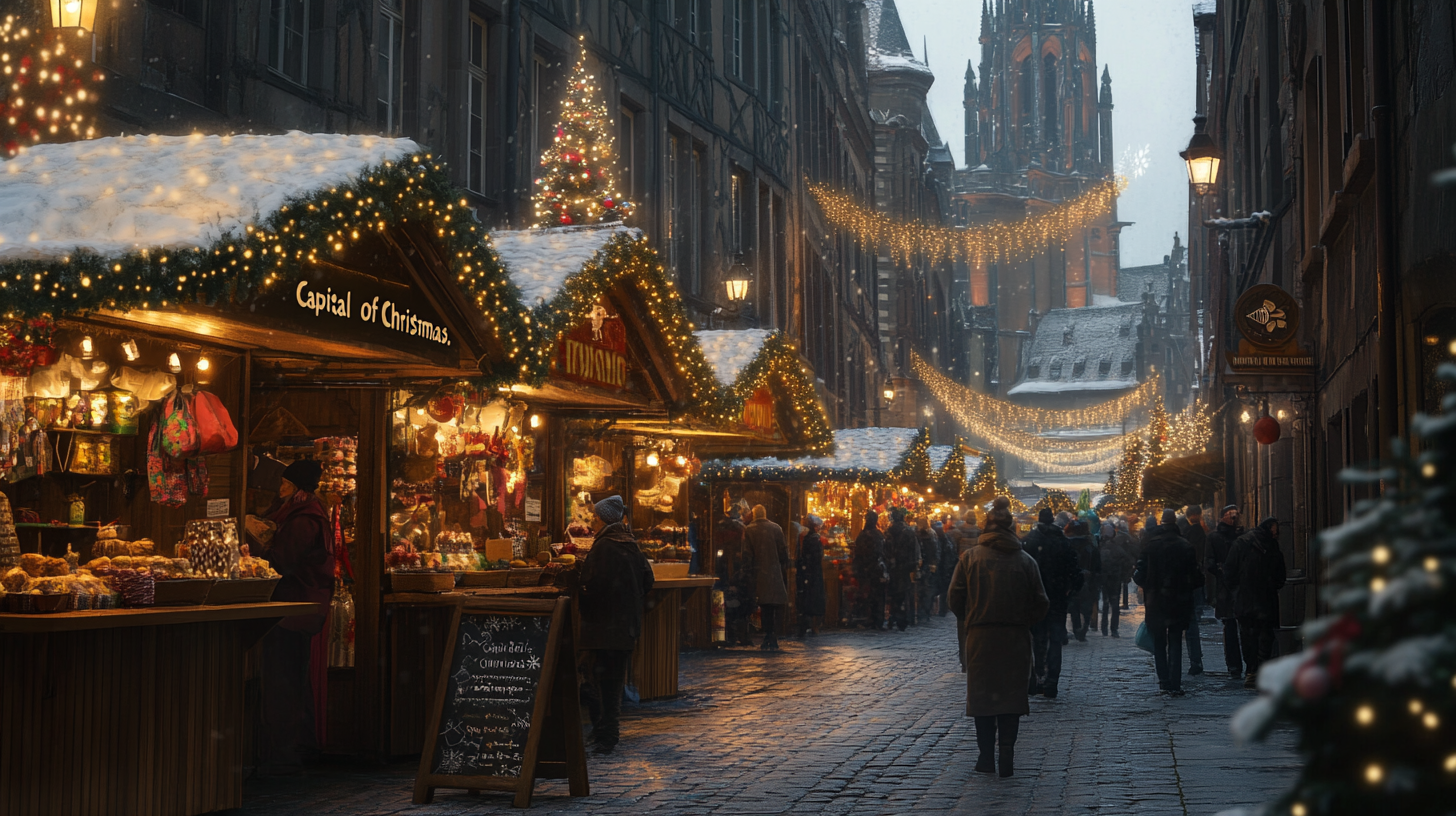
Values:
[(357, 242), (764, 372)]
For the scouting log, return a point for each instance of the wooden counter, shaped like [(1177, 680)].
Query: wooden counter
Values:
[(655, 661), (136, 711)]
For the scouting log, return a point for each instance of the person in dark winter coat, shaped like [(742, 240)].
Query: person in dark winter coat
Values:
[(734, 580), (809, 596), (1118, 562), (1083, 603), (867, 560), (1220, 541), (300, 551), (948, 558), (997, 596), (969, 533), (903, 558), (1061, 578), (1255, 572), (1168, 573), (768, 558), (615, 580), (1191, 527), (927, 582)]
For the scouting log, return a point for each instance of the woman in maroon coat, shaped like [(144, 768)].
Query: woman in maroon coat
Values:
[(299, 550)]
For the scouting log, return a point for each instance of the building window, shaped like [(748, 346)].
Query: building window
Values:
[(736, 56), (1056, 372), (738, 205), (540, 120), (673, 203), (1079, 368), (477, 99), (1033, 371), (388, 74), (1105, 367), (627, 156), (288, 41), (1127, 367)]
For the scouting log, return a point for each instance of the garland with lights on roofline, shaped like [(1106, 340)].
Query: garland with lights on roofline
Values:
[(950, 480), (50, 98), (955, 396), (777, 362), (996, 241), (237, 267)]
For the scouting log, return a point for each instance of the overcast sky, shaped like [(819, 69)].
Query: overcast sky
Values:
[(1148, 45)]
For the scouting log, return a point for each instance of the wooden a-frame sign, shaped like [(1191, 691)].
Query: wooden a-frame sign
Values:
[(506, 710)]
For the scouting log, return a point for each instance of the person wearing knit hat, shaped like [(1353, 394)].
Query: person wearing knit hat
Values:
[(997, 595), (300, 551), (615, 579), (809, 597)]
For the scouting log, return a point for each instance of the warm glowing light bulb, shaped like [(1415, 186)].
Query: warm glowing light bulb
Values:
[(1415, 706), (1374, 773), (535, 420), (681, 460), (1432, 563), (1428, 470), (129, 348), (1298, 809), (1377, 585), (174, 362), (1380, 554), (1431, 720), (1365, 715), (203, 364), (652, 459), (1451, 764)]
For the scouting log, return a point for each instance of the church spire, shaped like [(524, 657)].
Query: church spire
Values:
[(1092, 24), (985, 21)]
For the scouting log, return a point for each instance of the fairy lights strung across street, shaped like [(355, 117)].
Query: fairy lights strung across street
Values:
[(997, 412), (997, 241)]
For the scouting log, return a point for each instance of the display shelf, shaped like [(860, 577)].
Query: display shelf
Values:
[(88, 619), (89, 432)]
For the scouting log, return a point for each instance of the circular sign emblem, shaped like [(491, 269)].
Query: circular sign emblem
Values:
[(1267, 316)]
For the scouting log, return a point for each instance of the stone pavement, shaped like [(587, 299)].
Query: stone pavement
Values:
[(872, 723)]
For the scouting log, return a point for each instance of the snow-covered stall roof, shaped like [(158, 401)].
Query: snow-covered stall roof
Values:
[(972, 463), (939, 455), (540, 261), (1082, 350), (119, 195), (859, 453), (730, 351)]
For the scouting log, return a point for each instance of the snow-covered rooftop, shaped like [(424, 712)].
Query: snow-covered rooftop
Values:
[(862, 452), (972, 462), (538, 261), (886, 45), (939, 455), (118, 195), (1082, 350), (728, 352)]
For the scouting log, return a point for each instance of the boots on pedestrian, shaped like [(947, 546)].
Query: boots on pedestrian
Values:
[(1009, 725), (1251, 680), (986, 742), (1007, 757)]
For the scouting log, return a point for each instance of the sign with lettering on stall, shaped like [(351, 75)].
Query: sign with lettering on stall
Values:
[(506, 712), (595, 352)]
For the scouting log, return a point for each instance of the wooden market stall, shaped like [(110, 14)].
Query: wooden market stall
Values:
[(305, 276), (868, 468)]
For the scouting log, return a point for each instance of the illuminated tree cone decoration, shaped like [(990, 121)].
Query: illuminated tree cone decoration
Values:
[(996, 241), (1056, 501), (1158, 434), (49, 94), (575, 186), (1129, 495), (1373, 693)]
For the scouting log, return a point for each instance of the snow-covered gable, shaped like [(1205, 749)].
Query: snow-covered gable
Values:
[(728, 352), (972, 463), (860, 453), (119, 195), (1082, 350), (538, 262), (887, 46), (939, 455)]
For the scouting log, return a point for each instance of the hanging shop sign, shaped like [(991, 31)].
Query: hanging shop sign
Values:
[(337, 304), (595, 352), (758, 412), (1268, 319)]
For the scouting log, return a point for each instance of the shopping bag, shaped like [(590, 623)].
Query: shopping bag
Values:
[(1144, 639), (215, 430), (179, 429)]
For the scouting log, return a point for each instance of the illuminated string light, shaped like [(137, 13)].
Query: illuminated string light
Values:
[(999, 412), (996, 241)]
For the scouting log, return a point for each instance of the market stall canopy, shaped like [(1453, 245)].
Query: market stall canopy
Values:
[(329, 245), (1185, 480), (860, 455)]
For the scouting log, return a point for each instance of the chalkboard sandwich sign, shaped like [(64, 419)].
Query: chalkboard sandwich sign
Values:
[(506, 711)]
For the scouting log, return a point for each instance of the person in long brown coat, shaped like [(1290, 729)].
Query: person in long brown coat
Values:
[(997, 595), (767, 552)]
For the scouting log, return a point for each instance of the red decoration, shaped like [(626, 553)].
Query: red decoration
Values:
[(566, 219), (1266, 430), (608, 203), (1312, 682)]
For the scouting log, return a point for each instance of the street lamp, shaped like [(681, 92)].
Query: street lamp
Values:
[(889, 395), (78, 14), (737, 282), (1203, 159)]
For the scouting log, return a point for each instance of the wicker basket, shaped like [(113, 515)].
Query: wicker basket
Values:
[(421, 581), (484, 578), (24, 603), (244, 590), (524, 577), (183, 591)]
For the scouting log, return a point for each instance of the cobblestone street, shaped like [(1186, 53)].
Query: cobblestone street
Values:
[(871, 723)]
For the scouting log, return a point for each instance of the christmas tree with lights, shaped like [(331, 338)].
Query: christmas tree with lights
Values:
[(1373, 693), (1129, 488), (48, 94), (1056, 501), (1158, 435), (986, 484), (575, 185)]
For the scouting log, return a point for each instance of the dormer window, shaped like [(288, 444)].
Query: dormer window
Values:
[(1056, 372), (1126, 367), (1105, 367), (1080, 367), (1125, 330), (1033, 371), (1067, 336)]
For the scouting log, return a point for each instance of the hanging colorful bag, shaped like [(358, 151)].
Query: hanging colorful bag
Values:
[(166, 478), (197, 478), (215, 430), (179, 428)]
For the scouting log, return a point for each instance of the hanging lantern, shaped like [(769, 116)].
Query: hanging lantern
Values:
[(1266, 430)]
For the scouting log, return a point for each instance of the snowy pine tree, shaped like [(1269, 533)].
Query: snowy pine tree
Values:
[(575, 186), (1373, 693)]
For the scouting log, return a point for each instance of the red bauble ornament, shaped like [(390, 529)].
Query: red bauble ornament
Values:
[(608, 203), (1266, 430), (1312, 682), (566, 219)]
